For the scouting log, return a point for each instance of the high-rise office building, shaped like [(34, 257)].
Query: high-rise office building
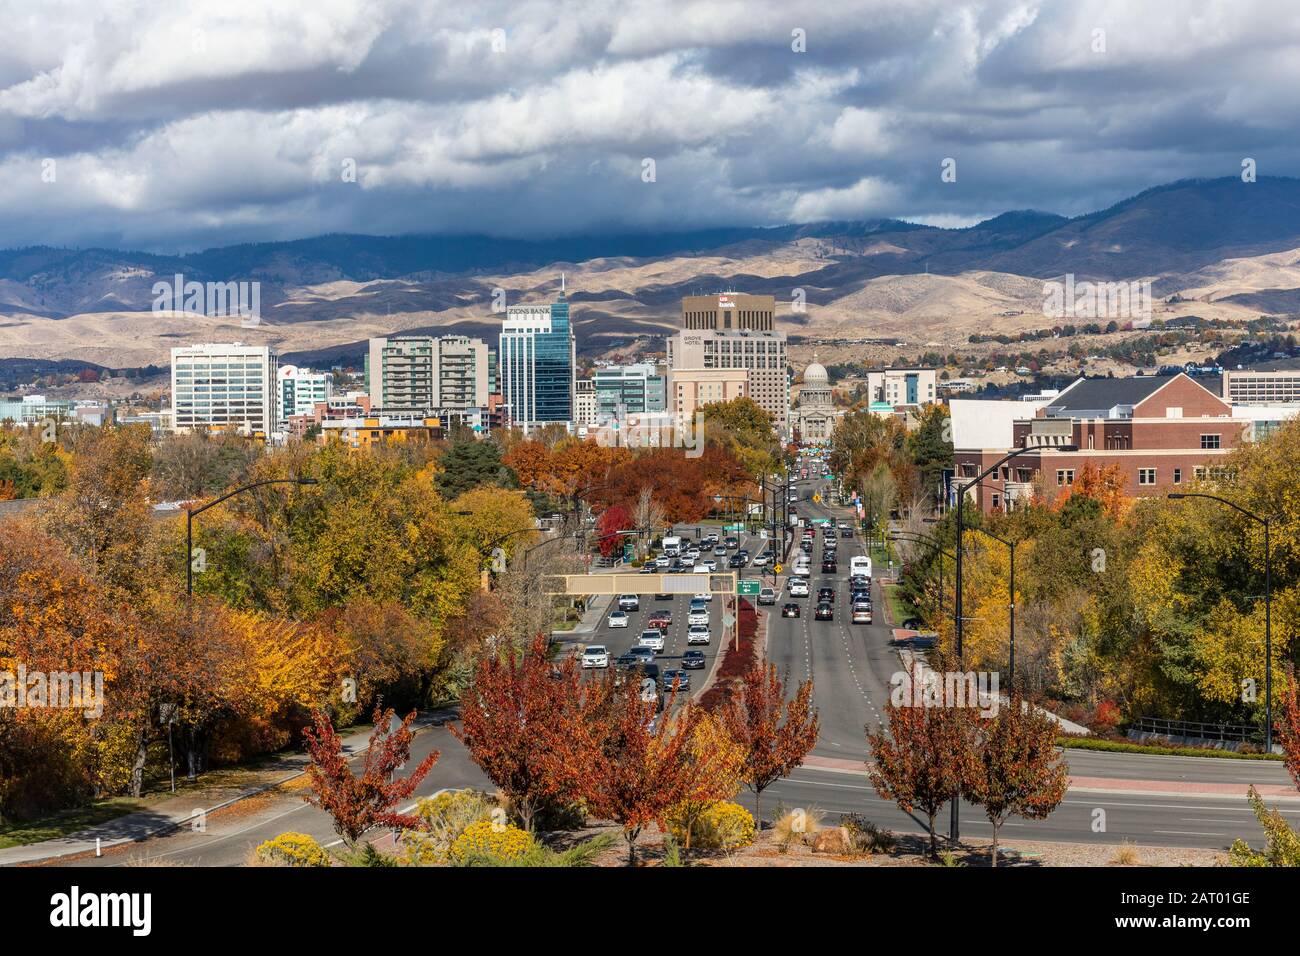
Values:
[(301, 389), (428, 373), (729, 310), (537, 362), (630, 388), (225, 386)]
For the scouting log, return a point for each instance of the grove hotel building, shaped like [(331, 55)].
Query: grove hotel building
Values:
[(226, 387), (1162, 431), (760, 355)]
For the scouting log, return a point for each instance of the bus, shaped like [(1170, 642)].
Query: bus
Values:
[(860, 565)]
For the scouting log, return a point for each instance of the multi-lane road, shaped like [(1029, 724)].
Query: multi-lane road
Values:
[(851, 667)]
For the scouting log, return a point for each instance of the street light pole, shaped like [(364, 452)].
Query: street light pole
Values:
[(190, 514), (954, 830), (1268, 604)]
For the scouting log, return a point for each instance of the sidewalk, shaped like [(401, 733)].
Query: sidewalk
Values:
[(1111, 785), (183, 809)]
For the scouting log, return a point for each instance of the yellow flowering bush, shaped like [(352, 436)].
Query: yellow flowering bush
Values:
[(723, 826), (485, 838), (446, 816), (292, 849)]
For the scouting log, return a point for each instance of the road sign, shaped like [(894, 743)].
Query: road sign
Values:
[(747, 586), (776, 569), (817, 499), (728, 619)]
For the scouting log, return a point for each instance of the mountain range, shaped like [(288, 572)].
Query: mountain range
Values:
[(1214, 248)]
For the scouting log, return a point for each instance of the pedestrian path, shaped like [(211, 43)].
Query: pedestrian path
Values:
[(186, 809)]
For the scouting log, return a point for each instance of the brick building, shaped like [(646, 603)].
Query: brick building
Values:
[(1162, 431)]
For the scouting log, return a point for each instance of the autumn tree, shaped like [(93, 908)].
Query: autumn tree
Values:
[(776, 734), (1016, 768), (1288, 726), (641, 768), (358, 804), (612, 520), (922, 759), (719, 760), (528, 725)]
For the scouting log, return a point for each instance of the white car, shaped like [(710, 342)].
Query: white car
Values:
[(663, 561), (700, 616), (708, 564), (653, 639), (703, 597), (692, 554), (618, 619), (797, 587), (629, 602), (700, 569), (596, 655), (697, 634)]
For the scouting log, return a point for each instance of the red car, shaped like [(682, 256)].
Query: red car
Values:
[(661, 620)]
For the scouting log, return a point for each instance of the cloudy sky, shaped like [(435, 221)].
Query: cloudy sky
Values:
[(182, 124)]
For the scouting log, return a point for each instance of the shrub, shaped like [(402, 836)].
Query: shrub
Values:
[(795, 826), (292, 849), (866, 836), (538, 855), (723, 826), (447, 816), (1126, 855), (486, 839), (1282, 848)]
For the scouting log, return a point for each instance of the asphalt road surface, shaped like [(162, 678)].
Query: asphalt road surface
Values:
[(851, 666)]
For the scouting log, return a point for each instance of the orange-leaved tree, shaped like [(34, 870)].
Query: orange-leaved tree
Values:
[(641, 770), (753, 718), (361, 803), (923, 758), (1015, 767), (528, 724)]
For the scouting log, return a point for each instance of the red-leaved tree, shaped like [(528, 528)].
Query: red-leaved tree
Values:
[(528, 723), (360, 803), (753, 718), (612, 520), (1015, 768), (924, 757), (641, 771), (1288, 726)]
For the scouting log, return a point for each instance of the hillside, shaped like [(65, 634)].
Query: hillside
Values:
[(1223, 247)]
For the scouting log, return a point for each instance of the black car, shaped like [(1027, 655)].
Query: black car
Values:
[(790, 610), (829, 567), (663, 597), (825, 612), (693, 660), (806, 546), (682, 678), (860, 597), (735, 561), (846, 532), (648, 569), (825, 594), (625, 662)]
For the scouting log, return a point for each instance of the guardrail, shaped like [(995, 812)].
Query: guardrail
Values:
[(1228, 733)]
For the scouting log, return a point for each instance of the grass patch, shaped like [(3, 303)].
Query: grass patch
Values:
[(67, 821), (899, 610), (1129, 747)]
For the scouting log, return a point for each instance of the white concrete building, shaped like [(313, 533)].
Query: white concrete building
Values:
[(226, 387)]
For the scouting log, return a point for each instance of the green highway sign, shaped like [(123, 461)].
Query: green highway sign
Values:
[(746, 586)]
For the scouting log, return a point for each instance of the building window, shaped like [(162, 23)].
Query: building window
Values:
[(1178, 476), (1200, 473), (1065, 476), (1146, 476), (997, 501), (1209, 441)]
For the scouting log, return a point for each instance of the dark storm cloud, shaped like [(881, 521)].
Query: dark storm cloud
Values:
[(191, 123)]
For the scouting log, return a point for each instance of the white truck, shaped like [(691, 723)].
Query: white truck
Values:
[(672, 545)]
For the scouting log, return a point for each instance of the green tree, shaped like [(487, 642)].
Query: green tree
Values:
[(470, 464)]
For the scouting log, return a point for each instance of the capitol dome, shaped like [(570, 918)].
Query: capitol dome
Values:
[(815, 376)]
